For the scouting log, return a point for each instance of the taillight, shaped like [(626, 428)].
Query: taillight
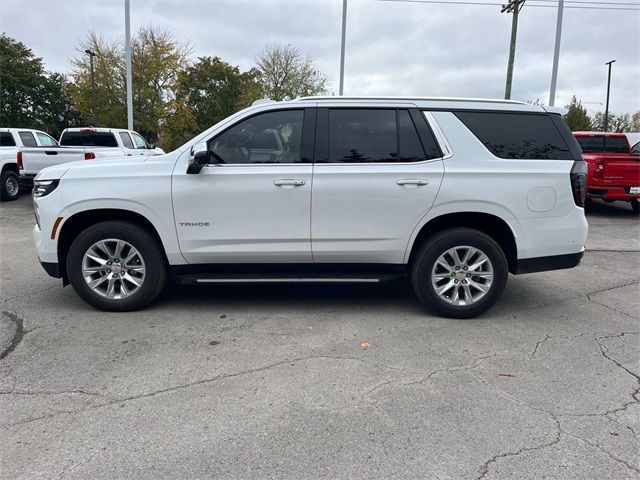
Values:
[(89, 156), (19, 161), (578, 178)]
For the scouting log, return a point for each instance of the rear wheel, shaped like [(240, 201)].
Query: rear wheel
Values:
[(635, 206), (459, 273), (117, 266), (10, 186)]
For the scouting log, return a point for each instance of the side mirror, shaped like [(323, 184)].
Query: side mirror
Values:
[(199, 158)]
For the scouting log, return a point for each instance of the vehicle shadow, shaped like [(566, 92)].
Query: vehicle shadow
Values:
[(599, 208)]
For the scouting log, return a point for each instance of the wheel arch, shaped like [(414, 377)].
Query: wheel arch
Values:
[(490, 224), (80, 221), (11, 166)]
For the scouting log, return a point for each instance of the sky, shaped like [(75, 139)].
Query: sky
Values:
[(393, 48)]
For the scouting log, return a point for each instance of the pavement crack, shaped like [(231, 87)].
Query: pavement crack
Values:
[(17, 336), (538, 343), (606, 452), (588, 295)]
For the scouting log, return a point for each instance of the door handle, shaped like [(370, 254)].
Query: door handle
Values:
[(289, 182), (412, 181)]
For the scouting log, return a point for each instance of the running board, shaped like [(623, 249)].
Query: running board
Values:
[(195, 279)]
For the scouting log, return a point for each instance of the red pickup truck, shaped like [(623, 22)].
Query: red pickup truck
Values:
[(614, 172)]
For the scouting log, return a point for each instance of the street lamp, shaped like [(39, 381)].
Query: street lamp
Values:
[(606, 108), (93, 86)]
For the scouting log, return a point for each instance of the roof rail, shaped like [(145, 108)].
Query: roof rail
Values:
[(432, 99)]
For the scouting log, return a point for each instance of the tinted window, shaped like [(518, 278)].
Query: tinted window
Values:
[(517, 135), (6, 140), (46, 140), (408, 140), (597, 144), (88, 138), (273, 137), (140, 142), (28, 140), (362, 136), (126, 140)]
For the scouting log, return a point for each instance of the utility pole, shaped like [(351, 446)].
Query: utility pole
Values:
[(127, 46), (342, 45), (514, 7), (556, 55), (93, 86), (606, 108)]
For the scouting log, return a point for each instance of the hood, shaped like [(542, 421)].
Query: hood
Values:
[(56, 172)]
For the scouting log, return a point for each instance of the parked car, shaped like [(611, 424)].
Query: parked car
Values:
[(11, 141), (634, 141), (84, 144), (453, 193), (614, 172)]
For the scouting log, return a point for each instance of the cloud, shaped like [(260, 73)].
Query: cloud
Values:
[(392, 48)]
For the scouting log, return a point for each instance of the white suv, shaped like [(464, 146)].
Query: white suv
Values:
[(454, 193)]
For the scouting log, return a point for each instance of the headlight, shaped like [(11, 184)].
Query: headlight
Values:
[(42, 188)]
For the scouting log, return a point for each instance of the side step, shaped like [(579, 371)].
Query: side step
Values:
[(193, 279)]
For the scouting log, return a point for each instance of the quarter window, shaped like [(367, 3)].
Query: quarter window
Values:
[(517, 135), (28, 140), (6, 140), (272, 137), (126, 140)]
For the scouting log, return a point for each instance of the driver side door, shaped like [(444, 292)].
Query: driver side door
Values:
[(253, 205)]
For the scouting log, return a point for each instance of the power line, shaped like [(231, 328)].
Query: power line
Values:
[(462, 2)]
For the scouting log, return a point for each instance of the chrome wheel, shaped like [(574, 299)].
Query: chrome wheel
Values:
[(113, 268), (12, 186), (462, 275)]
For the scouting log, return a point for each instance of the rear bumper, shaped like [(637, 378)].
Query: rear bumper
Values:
[(544, 264), (26, 181), (611, 193)]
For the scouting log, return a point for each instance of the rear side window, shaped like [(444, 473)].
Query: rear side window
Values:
[(126, 140), (28, 140), (46, 140), (88, 138), (599, 144), (517, 135), (375, 136), (6, 140)]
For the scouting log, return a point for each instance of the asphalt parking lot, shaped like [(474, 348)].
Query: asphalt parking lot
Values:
[(324, 382)]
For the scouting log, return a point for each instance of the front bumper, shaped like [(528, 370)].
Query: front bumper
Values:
[(544, 264)]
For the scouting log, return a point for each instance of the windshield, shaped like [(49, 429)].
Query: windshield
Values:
[(599, 144), (88, 138)]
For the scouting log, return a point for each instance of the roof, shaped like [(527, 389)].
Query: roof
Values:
[(598, 134)]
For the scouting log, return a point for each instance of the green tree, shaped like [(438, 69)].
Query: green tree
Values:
[(635, 122), (284, 73), (577, 117), (617, 123), (32, 97)]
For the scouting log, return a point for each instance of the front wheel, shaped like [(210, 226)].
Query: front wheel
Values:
[(459, 273), (117, 266), (9, 186)]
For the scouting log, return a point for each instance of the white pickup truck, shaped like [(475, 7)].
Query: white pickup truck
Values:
[(12, 140), (82, 144)]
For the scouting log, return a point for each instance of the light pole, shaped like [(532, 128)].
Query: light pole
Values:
[(342, 45), (606, 108), (556, 55), (93, 86)]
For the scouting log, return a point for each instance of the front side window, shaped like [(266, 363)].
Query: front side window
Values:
[(140, 142), (271, 137), (46, 140), (126, 140), (6, 140), (28, 140), (517, 135)]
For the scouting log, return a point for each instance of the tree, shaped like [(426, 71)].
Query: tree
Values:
[(283, 72), (156, 60), (635, 122), (32, 97), (617, 123), (212, 90), (577, 117)]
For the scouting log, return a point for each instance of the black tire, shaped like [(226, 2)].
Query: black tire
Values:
[(635, 206), (150, 250), (9, 186), (430, 252)]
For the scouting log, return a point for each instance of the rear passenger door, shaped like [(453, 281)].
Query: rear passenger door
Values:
[(376, 174)]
